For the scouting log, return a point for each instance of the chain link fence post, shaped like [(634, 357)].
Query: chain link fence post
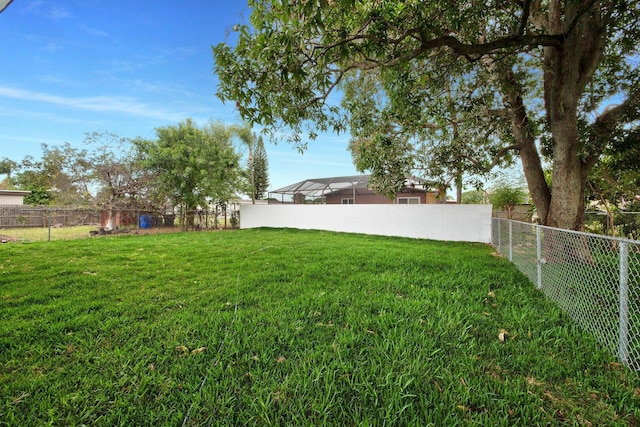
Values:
[(539, 260), (623, 348), (49, 225), (510, 241)]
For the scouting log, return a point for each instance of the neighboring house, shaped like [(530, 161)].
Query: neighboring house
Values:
[(349, 190), (13, 197)]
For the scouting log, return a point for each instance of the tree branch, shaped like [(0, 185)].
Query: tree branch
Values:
[(498, 156), (622, 113), (526, 10), (588, 5), (470, 51), (427, 43), (607, 122)]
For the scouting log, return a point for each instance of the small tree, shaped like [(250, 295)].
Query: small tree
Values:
[(192, 165), (506, 197), (473, 197)]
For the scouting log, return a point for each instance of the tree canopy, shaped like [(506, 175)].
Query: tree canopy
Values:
[(192, 166), (185, 165), (462, 86), (105, 172), (506, 196), (7, 166), (56, 178)]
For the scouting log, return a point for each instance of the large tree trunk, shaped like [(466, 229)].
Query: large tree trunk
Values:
[(567, 203), (534, 174), (111, 222), (524, 139), (568, 69), (529, 156)]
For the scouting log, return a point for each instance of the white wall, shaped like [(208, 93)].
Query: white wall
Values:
[(11, 199), (470, 223)]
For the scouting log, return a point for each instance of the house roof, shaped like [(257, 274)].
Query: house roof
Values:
[(317, 187), (14, 193)]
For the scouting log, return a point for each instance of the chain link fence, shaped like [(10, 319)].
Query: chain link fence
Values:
[(616, 223), (595, 279)]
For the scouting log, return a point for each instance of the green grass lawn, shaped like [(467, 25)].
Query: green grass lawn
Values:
[(287, 327), (41, 234), (33, 234)]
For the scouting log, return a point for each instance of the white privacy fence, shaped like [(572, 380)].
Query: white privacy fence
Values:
[(595, 279), (470, 223)]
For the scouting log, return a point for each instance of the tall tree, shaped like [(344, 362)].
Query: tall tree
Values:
[(35, 180), (567, 56), (57, 178), (105, 173), (260, 170), (116, 178), (257, 163), (7, 166), (193, 166)]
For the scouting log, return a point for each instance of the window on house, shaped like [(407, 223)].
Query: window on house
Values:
[(408, 200), (347, 201)]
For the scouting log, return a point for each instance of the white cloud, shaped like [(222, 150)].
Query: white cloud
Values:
[(43, 9), (41, 116), (178, 53), (57, 13), (120, 66), (31, 140), (113, 104), (52, 47), (96, 32)]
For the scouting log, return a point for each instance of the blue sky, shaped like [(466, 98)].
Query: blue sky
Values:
[(72, 67)]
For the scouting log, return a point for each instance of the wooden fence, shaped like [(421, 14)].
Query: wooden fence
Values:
[(18, 216), (43, 216)]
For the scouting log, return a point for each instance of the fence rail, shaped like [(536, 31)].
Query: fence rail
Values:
[(595, 279)]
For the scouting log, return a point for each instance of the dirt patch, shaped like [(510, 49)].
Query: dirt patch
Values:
[(155, 230), (7, 239), (163, 230), (31, 234)]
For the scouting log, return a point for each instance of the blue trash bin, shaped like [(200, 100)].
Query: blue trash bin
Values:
[(145, 221)]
